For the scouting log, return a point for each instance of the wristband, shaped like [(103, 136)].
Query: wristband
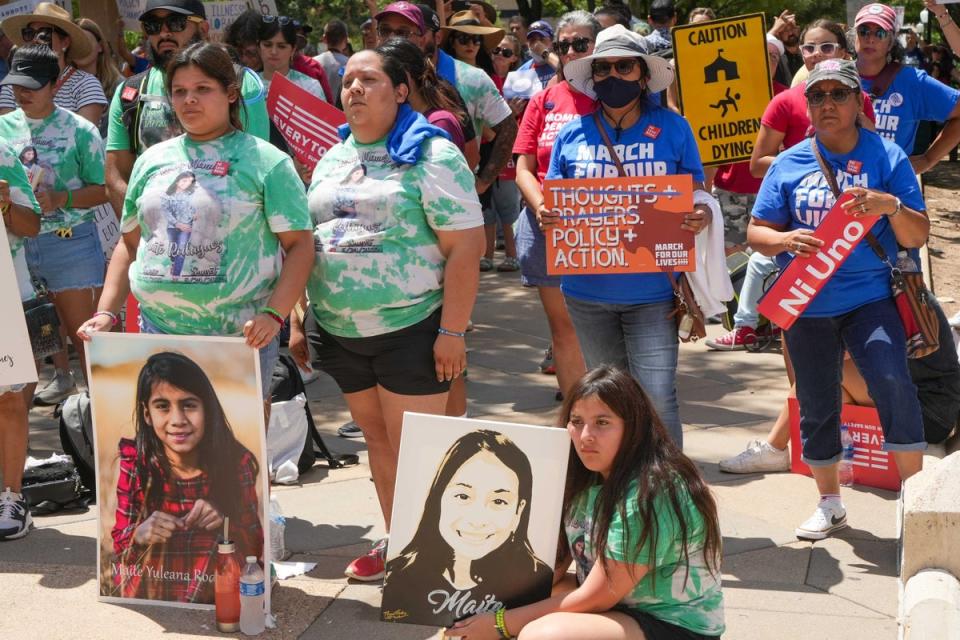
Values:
[(501, 624), (273, 313), (69, 203), (453, 334), (897, 210), (113, 317)]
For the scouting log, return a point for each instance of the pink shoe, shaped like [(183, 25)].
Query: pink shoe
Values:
[(734, 340)]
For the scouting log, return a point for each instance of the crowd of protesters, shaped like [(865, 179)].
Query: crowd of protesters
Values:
[(373, 256)]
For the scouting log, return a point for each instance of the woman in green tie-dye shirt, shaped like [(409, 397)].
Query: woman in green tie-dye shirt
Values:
[(642, 530)]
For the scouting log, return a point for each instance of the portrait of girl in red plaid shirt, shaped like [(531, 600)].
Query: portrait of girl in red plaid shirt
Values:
[(182, 474)]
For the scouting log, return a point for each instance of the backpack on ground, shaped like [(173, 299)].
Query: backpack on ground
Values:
[(76, 438)]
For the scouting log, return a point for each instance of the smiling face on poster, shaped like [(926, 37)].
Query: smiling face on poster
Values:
[(476, 518), (180, 448)]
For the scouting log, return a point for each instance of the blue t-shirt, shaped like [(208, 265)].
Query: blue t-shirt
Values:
[(544, 71), (794, 194), (911, 97), (661, 143)]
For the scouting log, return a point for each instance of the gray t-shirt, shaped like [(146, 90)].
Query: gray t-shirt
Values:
[(332, 62)]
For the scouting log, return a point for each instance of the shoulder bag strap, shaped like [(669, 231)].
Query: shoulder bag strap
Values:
[(884, 79)]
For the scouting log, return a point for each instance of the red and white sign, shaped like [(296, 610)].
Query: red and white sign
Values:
[(872, 466), (804, 278), (307, 123)]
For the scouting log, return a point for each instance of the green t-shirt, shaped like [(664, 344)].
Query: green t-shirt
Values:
[(20, 193), (379, 267), (158, 122), (62, 152), (208, 213), (302, 80), (696, 605), (485, 105)]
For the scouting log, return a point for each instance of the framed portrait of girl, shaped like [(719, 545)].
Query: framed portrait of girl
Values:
[(475, 520), (181, 461)]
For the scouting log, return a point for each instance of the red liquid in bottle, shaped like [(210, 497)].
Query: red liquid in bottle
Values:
[(227, 589)]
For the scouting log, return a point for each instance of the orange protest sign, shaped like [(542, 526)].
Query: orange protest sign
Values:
[(619, 225)]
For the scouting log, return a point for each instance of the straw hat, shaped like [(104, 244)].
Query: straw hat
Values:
[(618, 42), (51, 14), (466, 22)]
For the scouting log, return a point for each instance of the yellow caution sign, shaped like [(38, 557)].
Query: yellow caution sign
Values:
[(723, 79)]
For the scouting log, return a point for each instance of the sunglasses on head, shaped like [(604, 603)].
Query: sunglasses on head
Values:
[(879, 32), (386, 33), (837, 96), (824, 48), (601, 68), (44, 33), (174, 22), (580, 45), (503, 51), (281, 20), (468, 38)]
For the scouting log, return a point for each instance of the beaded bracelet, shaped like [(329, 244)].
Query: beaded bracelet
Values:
[(501, 624), (113, 317), (454, 334), (273, 313)]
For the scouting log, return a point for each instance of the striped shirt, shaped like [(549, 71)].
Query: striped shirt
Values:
[(78, 91)]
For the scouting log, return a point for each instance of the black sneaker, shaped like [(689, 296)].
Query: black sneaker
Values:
[(15, 518), (350, 430)]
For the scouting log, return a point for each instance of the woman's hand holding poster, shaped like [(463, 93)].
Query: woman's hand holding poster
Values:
[(476, 518)]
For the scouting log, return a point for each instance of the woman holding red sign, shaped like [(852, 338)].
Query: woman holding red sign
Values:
[(854, 310)]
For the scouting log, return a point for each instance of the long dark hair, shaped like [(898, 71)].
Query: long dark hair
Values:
[(484, 61), (647, 456), (219, 452), (214, 61), (428, 554), (421, 72), (172, 189), (270, 28)]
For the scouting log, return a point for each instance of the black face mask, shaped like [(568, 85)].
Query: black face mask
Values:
[(616, 92)]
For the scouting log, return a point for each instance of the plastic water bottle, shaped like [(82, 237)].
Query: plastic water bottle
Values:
[(278, 525), (251, 598), (846, 463)]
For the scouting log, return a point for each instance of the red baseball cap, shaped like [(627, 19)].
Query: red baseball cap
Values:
[(405, 10), (878, 14)]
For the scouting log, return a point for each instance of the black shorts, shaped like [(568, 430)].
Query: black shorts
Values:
[(656, 629), (401, 362)]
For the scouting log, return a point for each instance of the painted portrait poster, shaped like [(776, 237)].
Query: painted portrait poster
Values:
[(180, 450), (476, 518)]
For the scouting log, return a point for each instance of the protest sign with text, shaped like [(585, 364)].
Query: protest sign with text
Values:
[(723, 81), (16, 354), (307, 123), (804, 278), (619, 225)]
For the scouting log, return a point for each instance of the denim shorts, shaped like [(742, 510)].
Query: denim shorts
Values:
[(873, 335), (532, 253), (504, 203), (62, 264), (269, 355)]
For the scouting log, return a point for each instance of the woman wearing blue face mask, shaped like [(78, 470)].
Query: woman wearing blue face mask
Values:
[(625, 320)]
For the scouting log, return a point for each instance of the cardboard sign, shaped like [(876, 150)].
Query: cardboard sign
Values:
[(16, 355), (803, 279), (484, 497), (220, 445), (872, 466), (619, 225), (307, 123), (723, 81)]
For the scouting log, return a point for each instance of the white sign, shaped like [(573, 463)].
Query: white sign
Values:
[(109, 228), (20, 7), (16, 356)]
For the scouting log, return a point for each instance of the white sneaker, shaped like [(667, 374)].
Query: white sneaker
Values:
[(15, 518), (759, 457), (825, 520), (61, 386)]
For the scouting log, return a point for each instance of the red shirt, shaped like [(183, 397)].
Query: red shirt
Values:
[(736, 177), (311, 67), (787, 113), (449, 123), (546, 114)]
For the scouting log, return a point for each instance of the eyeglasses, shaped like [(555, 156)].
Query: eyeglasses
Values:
[(837, 96), (174, 22), (601, 69), (281, 20), (865, 32), (44, 33), (386, 33), (503, 51), (580, 45), (468, 38), (824, 48)]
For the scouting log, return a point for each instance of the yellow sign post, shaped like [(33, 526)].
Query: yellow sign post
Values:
[(723, 79)]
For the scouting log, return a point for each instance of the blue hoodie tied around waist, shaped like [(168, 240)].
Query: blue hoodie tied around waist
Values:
[(409, 131)]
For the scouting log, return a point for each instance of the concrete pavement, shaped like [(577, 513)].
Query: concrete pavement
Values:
[(775, 586)]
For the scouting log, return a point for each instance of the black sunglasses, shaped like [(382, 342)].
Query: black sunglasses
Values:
[(174, 22), (503, 51), (601, 68), (468, 38), (864, 31), (386, 33), (837, 96), (580, 45), (44, 33)]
